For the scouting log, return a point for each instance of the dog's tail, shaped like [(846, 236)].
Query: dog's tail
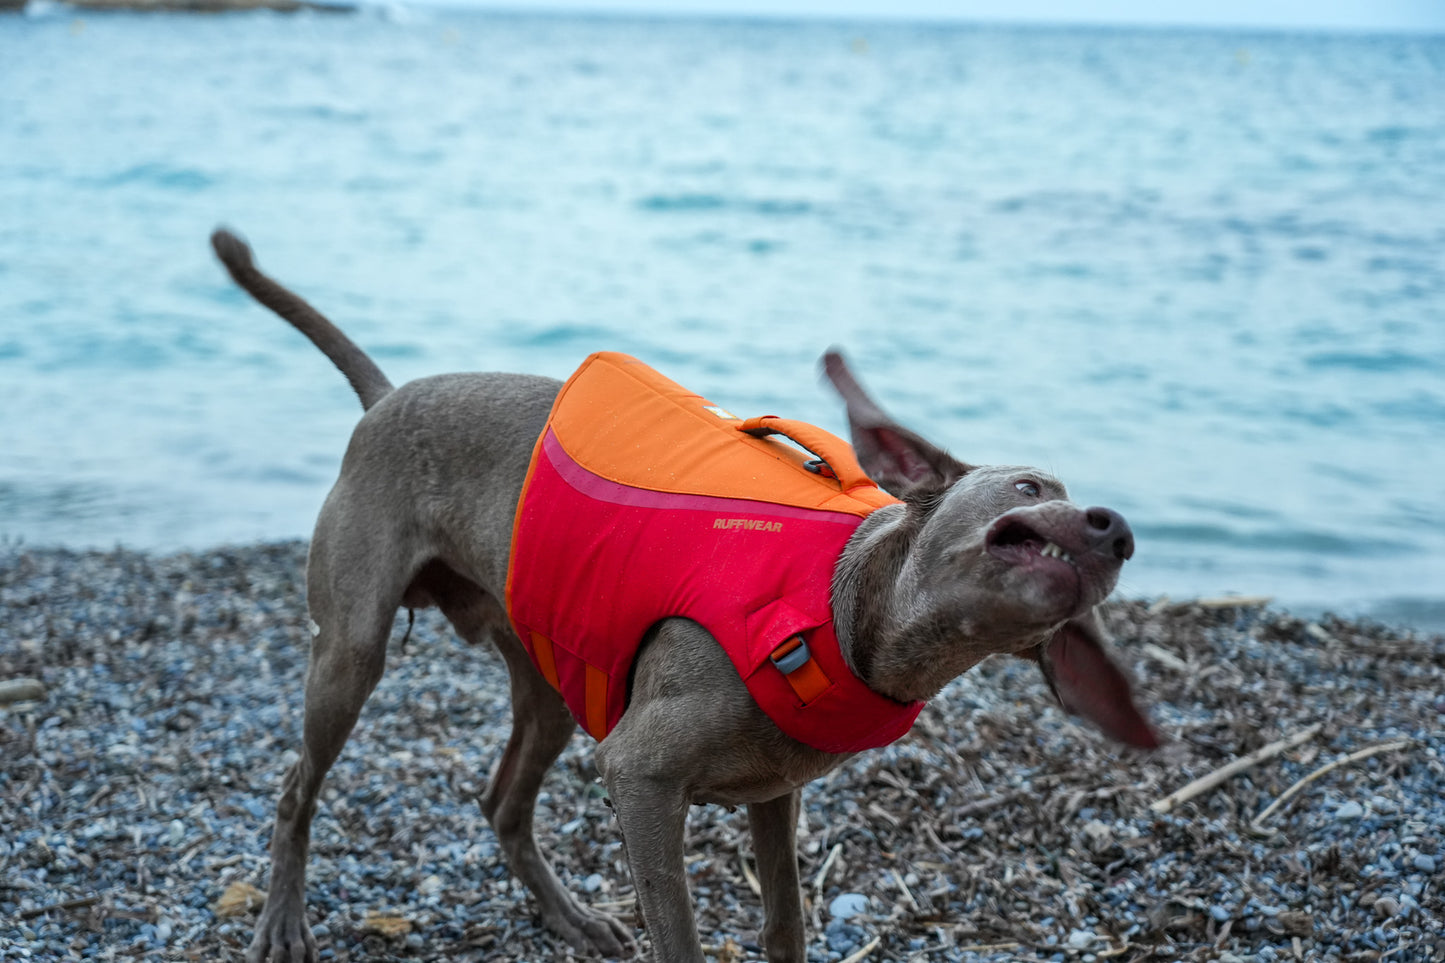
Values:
[(365, 377)]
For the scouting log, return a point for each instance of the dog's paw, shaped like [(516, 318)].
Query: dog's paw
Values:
[(592, 931), (282, 937)]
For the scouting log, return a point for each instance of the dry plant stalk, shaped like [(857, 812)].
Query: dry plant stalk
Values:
[(1224, 773), (239, 899), (728, 952), (385, 924)]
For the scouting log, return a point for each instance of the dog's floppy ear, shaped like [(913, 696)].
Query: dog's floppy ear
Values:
[(1087, 682), (899, 460)]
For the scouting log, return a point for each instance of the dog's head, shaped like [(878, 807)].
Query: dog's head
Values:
[(993, 560)]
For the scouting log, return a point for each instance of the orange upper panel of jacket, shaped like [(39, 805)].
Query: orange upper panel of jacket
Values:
[(643, 501)]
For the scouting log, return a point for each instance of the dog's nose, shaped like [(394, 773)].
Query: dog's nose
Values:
[(1107, 531)]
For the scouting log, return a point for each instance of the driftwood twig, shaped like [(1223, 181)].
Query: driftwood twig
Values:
[(987, 947), (1160, 654), (750, 876), (1258, 821), (1231, 602), (822, 876), (63, 906), (1224, 773), (21, 690), (873, 944)]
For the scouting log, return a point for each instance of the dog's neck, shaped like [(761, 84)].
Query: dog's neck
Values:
[(895, 638)]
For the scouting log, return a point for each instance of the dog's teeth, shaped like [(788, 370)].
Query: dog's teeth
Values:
[(1051, 550)]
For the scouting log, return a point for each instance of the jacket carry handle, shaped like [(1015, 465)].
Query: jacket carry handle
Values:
[(835, 453)]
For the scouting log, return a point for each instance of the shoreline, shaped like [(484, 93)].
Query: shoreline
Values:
[(173, 702)]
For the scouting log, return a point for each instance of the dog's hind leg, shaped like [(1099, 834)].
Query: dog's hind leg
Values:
[(774, 827), (352, 610), (541, 727)]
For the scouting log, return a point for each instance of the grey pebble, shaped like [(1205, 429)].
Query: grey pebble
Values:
[(843, 937), (1350, 810)]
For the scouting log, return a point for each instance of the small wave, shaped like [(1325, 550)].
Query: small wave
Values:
[(1123, 373), (281, 474), (1287, 540), (1426, 613), (187, 179), (1418, 406), (1232, 509), (708, 203), (398, 351), (344, 113), (110, 352), (724, 241), (1377, 362), (1390, 135), (23, 502), (389, 11), (556, 335)]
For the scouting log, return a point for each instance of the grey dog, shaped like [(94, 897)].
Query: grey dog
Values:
[(972, 562)]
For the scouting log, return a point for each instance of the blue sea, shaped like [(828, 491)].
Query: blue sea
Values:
[(1198, 275)]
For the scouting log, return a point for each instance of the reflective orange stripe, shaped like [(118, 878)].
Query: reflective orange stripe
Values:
[(596, 702), (545, 659), (807, 680)]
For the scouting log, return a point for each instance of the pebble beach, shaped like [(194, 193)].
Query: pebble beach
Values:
[(136, 792)]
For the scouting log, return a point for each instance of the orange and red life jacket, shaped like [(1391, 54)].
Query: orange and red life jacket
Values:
[(645, 501)]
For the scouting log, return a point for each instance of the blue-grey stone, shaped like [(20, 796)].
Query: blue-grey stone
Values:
[(843, 937), (848, 905)]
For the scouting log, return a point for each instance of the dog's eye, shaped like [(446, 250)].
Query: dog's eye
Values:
[(1028, 488)]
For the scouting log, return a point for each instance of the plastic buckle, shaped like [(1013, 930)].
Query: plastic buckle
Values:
[(820, 467), (791, 659)]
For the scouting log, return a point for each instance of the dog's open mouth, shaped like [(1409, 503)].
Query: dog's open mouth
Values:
[(1018, 543)]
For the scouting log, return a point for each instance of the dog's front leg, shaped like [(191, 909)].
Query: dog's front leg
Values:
[(653, 816), (774, 825)]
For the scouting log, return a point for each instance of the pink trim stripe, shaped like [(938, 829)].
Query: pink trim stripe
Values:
[(595, 486)]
